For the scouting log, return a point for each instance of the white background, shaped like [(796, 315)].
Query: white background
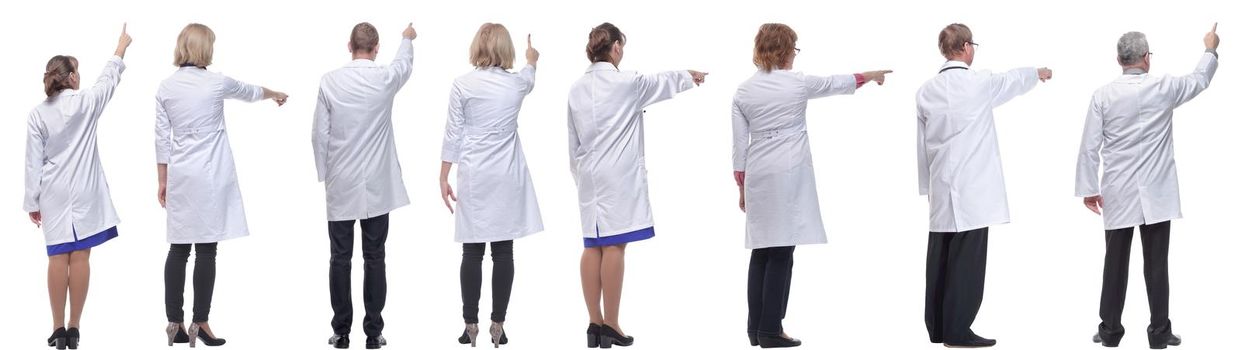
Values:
[(686, 287)]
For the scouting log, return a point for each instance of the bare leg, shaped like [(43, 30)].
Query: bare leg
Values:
[(79, 282), (613, 274), (591, 284), (58, 287)]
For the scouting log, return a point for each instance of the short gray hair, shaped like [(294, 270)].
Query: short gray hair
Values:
[(1131, 48)]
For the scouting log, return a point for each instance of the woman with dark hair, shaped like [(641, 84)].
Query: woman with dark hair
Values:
[(66, 191), (770, 145), (607, 161)]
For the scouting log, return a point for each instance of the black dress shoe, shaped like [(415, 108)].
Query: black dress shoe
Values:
[(593, 336), (1098, 339), (339, 341), (376, 342), (58, 338), (754, 338), (1171, 340), (974, 341), (609, 337), (776, 341), (71, 338)]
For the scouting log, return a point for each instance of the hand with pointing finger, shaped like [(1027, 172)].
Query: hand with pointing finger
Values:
[(409, 32), (699, 77), (876, 75), (1211, 41), (1044, 74), (532, 55), (122, 44)]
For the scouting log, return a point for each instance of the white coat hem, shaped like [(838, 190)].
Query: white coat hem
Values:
[(222, 239), (1143, 222), (504, 237), (368, 216), (968, 228), (784, 244), (603, 234)]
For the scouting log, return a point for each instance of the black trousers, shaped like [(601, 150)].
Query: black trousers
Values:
[(956, 265), (767, 289), (1117, 271), (204, 280), (472, 279), (374, 280)]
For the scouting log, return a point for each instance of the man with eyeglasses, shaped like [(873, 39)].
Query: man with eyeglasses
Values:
[(960, 172), (1129, 126)]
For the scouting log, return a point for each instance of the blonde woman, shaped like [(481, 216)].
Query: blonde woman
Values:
[(66, 192), (608, 163), (497, 202), (773, 170), (197, 182)]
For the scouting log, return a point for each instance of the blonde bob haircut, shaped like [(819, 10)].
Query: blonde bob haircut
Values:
[(774, 46), (194, 46), (492, 47)]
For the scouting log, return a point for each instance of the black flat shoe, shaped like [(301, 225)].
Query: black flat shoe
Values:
[(339, 341), (975, 341), (754, 338), (71, 338), (376, 342), (58, 338), (776, 341), (1172, 340), (609, 337), (1100, 340), (593, 336)]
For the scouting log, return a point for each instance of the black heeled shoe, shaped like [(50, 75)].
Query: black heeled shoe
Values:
[(778, 341), (754, 338), (470, 335), (339, 341), (609, 337), (71, 338), (498, 335), (58, 338), (593, 336), (196, 333)]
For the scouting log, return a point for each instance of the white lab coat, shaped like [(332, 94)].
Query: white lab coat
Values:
[(355, 153), (606, 152), (496, 197), (64, 179), (1130, 124), (203, 201), (771, 145), (958, 156)]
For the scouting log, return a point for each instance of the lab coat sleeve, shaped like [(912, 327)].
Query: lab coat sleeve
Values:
[(1005, 86), (817, 86), (402, 66), (574, 145), (454, 127), (741, 138), (1184, 88), (236, 90), (101, 93), (34, 164), (658, 87), (528, 78), (163, 133), (320, 134), (921, 154), (1087, 182)]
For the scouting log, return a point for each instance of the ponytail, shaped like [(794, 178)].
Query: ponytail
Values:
[(601, 40)]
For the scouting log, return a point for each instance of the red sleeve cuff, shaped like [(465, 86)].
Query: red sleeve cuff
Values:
[(859, 80)]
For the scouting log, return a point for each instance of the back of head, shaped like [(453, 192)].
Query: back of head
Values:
[(58, 75), (492, 47), (1131, 48), (953, 39), (774, 46), (195, 46), (601, 40), (364, 38)]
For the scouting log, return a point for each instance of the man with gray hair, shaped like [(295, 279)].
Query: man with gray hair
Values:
[(1130, 127)]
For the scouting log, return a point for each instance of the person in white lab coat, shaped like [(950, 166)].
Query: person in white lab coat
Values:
[(770, 144), (66, 192), (960, 172), (356, 158), (197, 182), (498, 203), (1129, 126), (607, 159)]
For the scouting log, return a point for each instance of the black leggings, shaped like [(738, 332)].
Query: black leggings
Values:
[(204, 280), (472, 279)]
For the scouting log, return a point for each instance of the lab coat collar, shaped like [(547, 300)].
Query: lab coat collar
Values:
[(602, 66), (954, 64), (361, 62)]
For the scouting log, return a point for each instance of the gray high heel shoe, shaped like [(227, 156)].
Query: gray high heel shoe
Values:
[(171, 330), (470, 335)]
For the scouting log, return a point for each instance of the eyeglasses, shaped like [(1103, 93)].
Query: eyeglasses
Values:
[(971, 43), (797, 51)]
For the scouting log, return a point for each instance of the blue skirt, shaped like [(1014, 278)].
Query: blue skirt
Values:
[(632, 236), (87, 243)]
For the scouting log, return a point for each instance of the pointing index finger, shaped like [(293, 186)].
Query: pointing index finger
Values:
[(528, 45), (1214, 26)]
